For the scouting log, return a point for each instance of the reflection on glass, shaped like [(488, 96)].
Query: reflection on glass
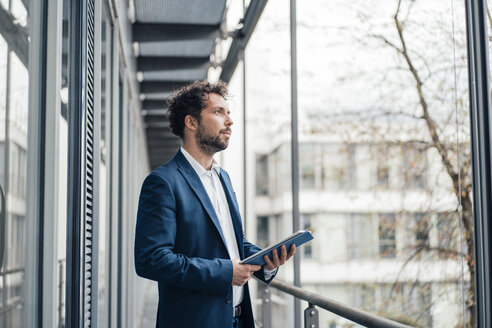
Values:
[(384, 155), (103, 186), (14, 79), (268, 137), (63, 168)]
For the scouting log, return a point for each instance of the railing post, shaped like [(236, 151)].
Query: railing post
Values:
[(266, 308), (311, 317), (61, 322)]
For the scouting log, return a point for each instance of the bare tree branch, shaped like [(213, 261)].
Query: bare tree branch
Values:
[(441, 148)]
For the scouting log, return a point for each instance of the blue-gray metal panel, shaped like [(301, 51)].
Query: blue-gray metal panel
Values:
[(176, 75), (180, 11), (156, 32), (187, 48)]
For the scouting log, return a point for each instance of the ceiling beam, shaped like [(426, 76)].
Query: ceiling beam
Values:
[(156, 124), (143, 32), (241, 38), (161, 86), (146, 64), (158, 132), (160, 117), (154, 113), (158, 96), (152, 104)]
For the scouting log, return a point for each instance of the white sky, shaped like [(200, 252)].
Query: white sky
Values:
[(341, 68)]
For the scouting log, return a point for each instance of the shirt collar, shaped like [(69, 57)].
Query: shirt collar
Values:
[(199, 169)]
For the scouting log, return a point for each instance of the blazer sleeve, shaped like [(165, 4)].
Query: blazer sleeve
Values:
[(155, 235), (250, 249)]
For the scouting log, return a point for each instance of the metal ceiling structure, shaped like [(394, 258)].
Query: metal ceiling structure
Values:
[(176, 44)]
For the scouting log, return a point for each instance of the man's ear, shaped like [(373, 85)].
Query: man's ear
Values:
[(191, 122)]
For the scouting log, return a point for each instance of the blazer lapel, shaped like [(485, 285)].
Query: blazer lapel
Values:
[(234, 209), (187, 171)]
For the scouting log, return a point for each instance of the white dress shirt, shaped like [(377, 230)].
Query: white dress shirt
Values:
[(213, 187)]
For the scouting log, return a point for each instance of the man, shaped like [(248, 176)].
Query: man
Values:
[(189, 234)]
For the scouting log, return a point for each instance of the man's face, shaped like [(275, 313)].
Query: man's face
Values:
[(214, 128)]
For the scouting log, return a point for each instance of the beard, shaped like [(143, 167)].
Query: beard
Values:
[(208, 143)]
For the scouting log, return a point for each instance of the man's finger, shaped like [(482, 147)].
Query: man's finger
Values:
[(292, 251), (275, 258), (254, 267), (269, 263), (283, 253)]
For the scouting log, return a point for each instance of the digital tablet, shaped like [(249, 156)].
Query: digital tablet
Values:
[(298, 238)]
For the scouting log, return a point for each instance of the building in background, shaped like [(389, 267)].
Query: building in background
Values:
[(387, 238)]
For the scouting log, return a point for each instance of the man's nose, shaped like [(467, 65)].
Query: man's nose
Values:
[(229, 121)]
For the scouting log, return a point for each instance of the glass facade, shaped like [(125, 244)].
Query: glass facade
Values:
[(385, 160), (14, 76), (384, 154), (20, 306)]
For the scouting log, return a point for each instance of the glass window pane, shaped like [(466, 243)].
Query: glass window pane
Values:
[(106, 39), (268, 121), (388, 101), (384, 132), (14, 82), (63, 168)]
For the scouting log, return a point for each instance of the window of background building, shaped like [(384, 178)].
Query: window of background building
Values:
[(262, 231), (415, 164), (381, 157), (280, 175), (421, 229), (307, 224), (363, 296), (336, 170), (262, 176), (307, 166), (418, 226), (274, 166), (361, 241), (418, 302), (387, 236), (447, 235)]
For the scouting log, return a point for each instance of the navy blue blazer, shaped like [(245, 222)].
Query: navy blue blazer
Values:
[(179, 244)]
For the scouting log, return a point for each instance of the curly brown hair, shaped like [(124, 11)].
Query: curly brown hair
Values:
[(190, 100)]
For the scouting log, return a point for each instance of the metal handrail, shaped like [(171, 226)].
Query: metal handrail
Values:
[(11, 271), (361, 317)]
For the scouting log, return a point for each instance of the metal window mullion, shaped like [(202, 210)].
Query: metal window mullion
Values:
[(74, 201), (295, 153), (480, 121), (51, 172), (81, 200), (120, 202), (33, 291)]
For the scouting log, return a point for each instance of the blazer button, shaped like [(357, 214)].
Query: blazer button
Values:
[(229, 301)]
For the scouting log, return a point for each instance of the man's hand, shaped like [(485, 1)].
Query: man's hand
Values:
[(275, 262), (241, 273)]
